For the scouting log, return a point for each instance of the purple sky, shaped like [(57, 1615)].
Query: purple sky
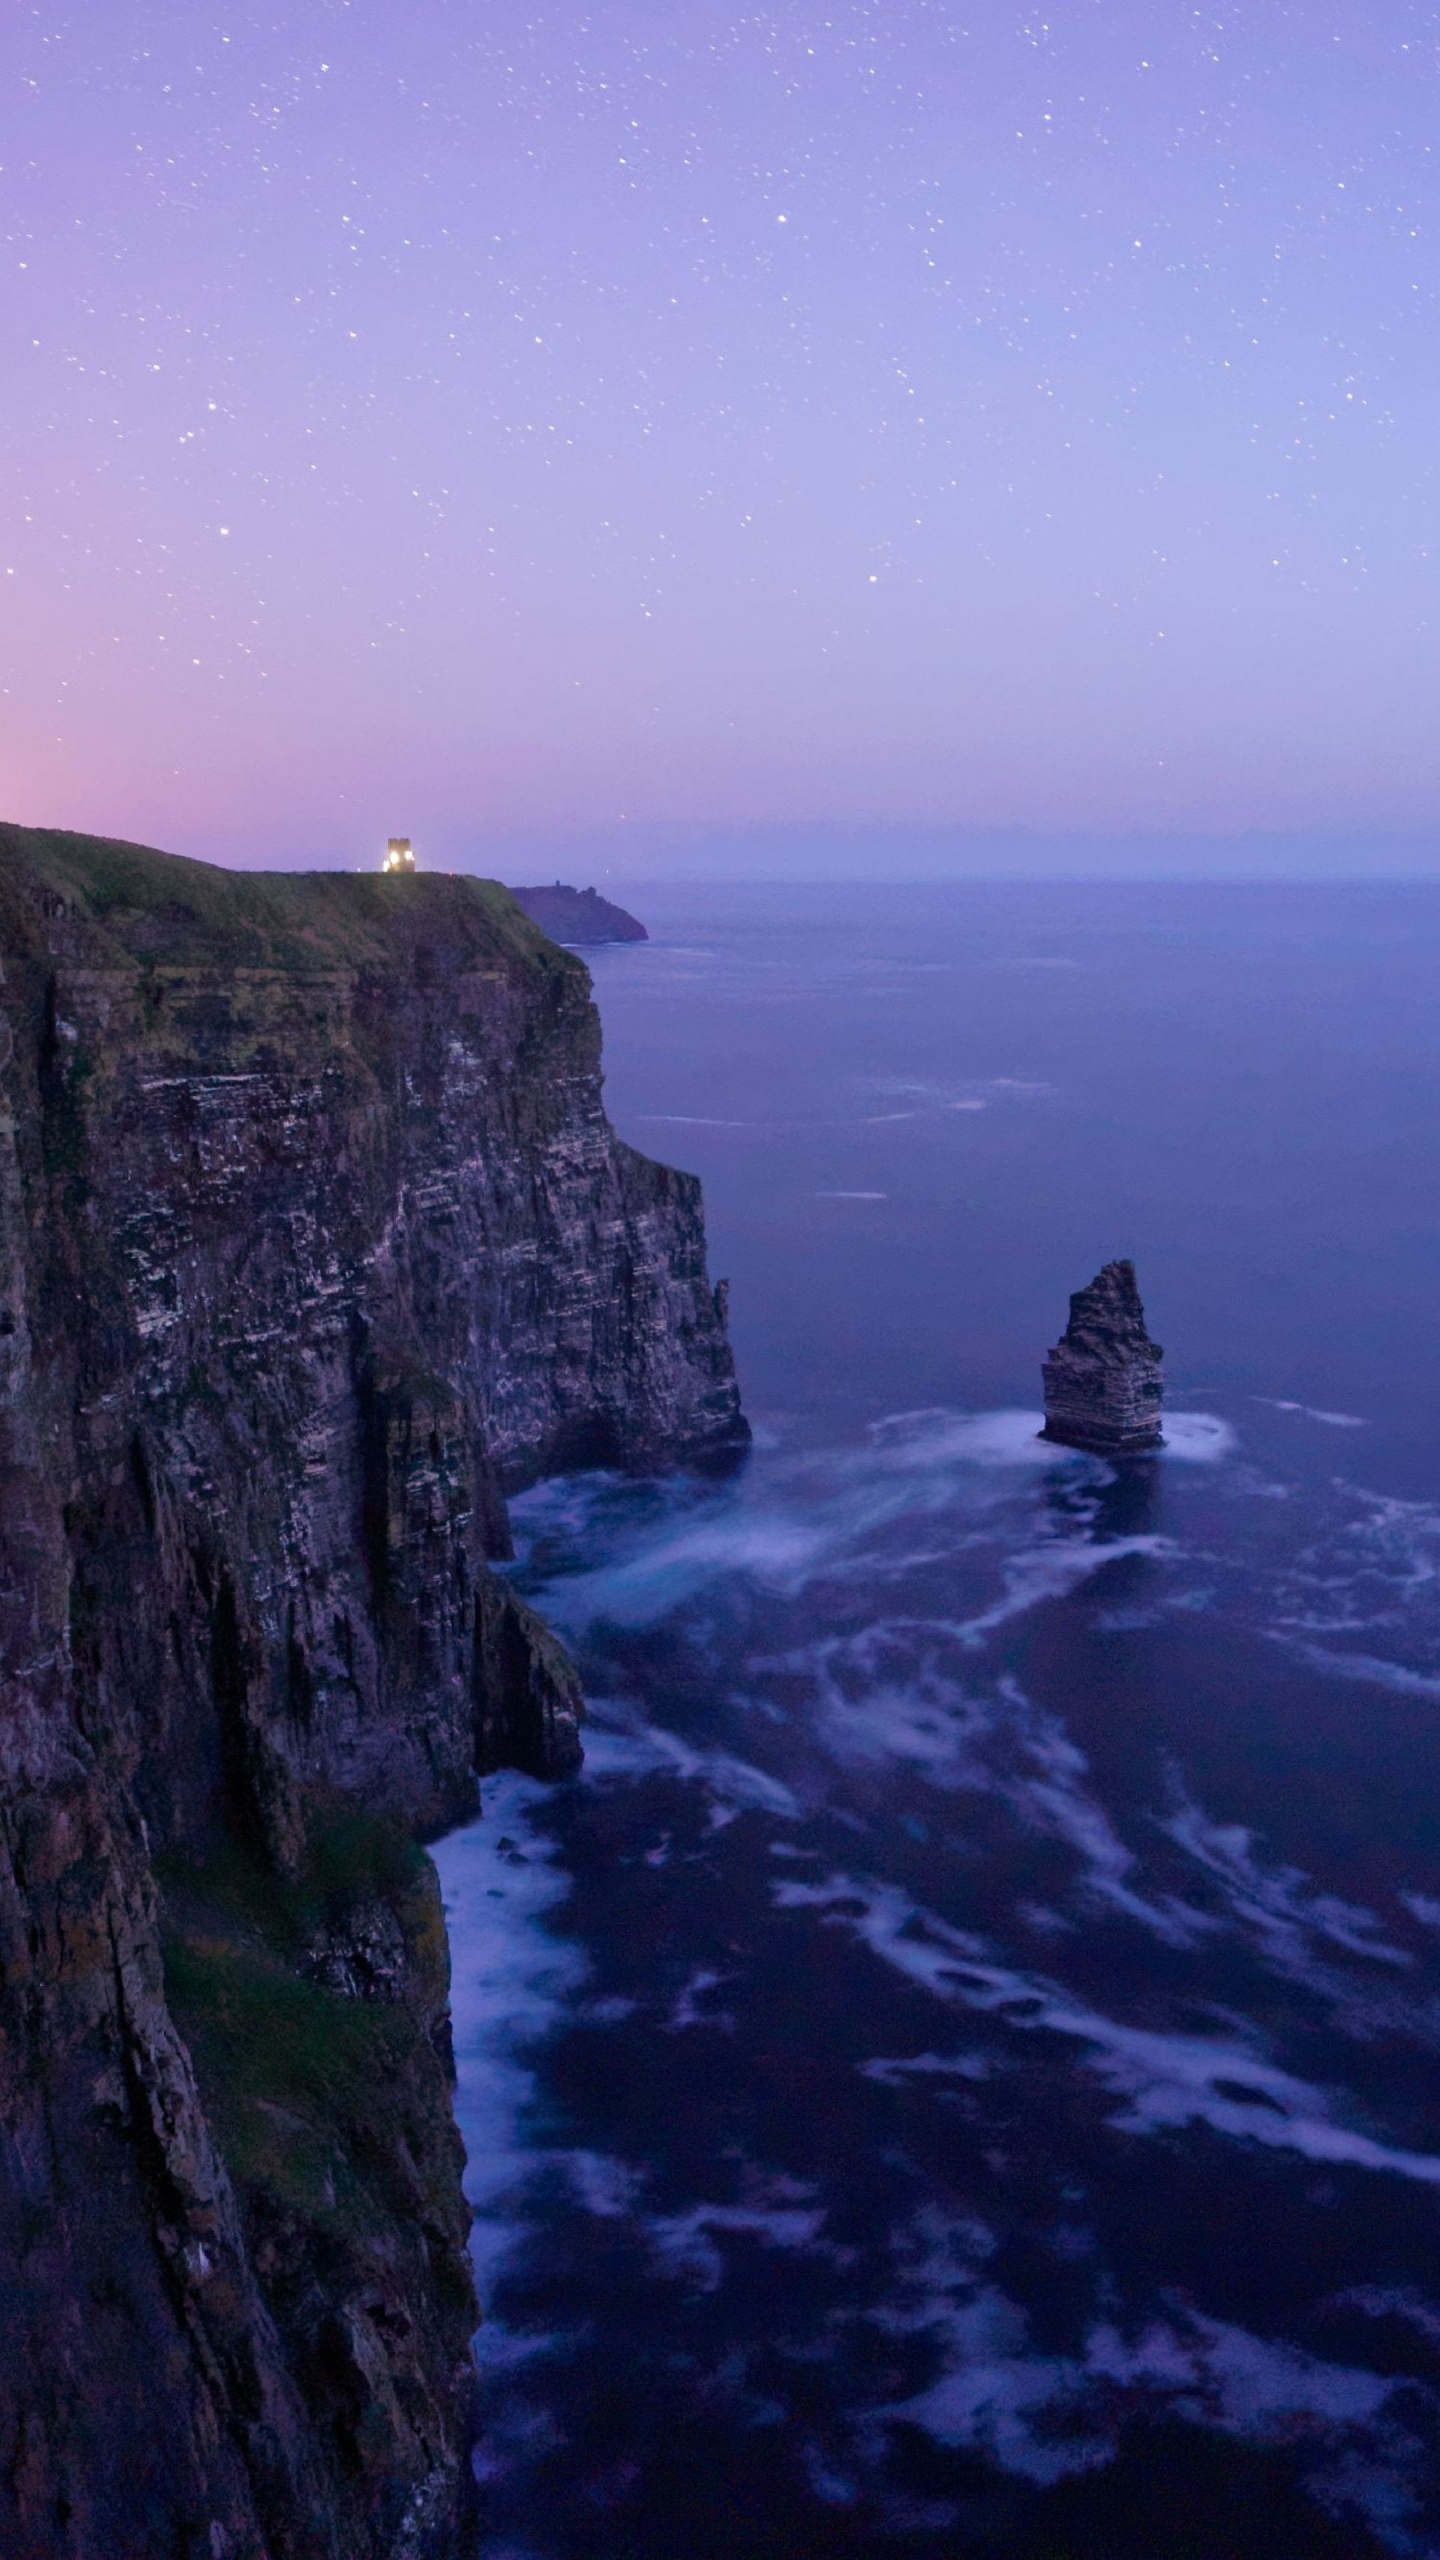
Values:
[(458, 416)]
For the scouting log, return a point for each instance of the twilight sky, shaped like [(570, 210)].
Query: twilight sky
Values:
[(459, 416)]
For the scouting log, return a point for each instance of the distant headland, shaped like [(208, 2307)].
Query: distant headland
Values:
[(566, 914), (578, 915)]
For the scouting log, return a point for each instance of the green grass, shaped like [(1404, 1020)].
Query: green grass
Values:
[(162, 907), (352, 1857), (305, 2086), (292, 2075)]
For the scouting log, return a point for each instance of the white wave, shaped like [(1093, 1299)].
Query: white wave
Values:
[(1198, 1439), (802, 1518), (893, 2071), (1376, 1566), (886, 1698), (1163, 2081), (941, 1438), (1010, 1436), (890, 1725), (774, 1548), (883, 1698), (1314, 1413), (1045, 1922), (621, 1744), (1368, 1667), (684, 2244), (1397, 2302), (876, 1704), (1059, 1800), (1043, 2417), (1279, 1905), (1048, 1573), (920, 1717), (796, 1524), (606, 2187), (992, 2394), (512, 1980), (852, 1195), (687, 2011), (830, 2486), (1247, 2385)]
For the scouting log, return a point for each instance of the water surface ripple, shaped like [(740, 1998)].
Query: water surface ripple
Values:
[(961, 2069)]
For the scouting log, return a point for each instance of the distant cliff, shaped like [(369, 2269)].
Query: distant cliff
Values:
[(578, 915), (314, 1241)]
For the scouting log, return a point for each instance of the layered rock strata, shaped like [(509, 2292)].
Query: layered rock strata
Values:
[(314, 1242), (1103, 1380)]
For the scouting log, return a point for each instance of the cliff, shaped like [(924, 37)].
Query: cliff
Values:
[(579, 915), (314, 1241)]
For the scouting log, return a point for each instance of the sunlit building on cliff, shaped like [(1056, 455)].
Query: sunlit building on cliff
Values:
[(399, 855)]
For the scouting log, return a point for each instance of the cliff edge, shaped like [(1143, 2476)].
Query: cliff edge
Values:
[(314, 1242)]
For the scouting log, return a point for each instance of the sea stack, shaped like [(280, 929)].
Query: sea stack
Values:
[(1103, 1380)]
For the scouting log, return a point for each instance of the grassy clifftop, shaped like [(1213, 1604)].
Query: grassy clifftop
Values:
[(162, 907)]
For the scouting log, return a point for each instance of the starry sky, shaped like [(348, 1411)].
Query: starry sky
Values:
[(533, 424)]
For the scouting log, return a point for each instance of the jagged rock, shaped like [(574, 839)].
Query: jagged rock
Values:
[(314, 1242), (366, 1956), (1103, 1380), (528, 1702)]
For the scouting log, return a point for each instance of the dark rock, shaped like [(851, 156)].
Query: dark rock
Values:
[(578, 915), (1103, 1380), (314, 1242), (528, 1706)]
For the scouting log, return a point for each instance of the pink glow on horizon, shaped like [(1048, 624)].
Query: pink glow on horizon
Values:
[(454, 420)]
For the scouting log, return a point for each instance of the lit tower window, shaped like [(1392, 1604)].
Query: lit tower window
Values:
[(399, 855)]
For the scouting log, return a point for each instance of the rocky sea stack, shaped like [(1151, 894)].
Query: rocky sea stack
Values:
[(1103, 1380), (314, 1243)]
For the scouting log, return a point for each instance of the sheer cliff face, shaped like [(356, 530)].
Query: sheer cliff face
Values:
[(314, 1240)]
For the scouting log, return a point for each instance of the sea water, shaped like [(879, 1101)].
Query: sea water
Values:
[(960, 2071)]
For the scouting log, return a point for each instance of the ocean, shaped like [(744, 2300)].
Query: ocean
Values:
[(960, 2071)]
